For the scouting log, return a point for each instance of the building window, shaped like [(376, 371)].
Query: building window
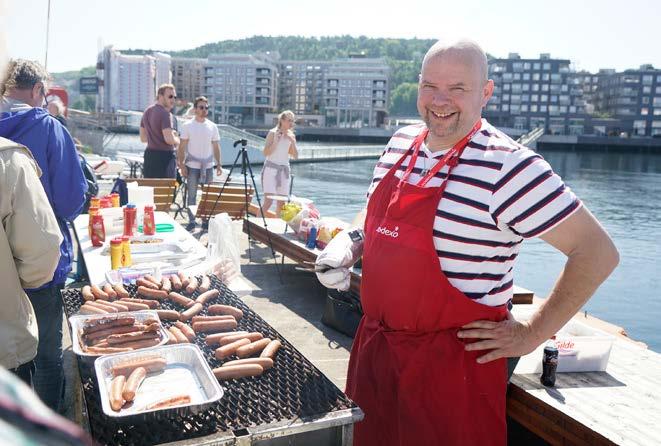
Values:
[(644, 111), (543, 108), (647, 90), (533, 107), (526, 76), (647, 79), (535, 76), (536, 66), (547, 66), (526, 87), (535, 87), (526, 65)]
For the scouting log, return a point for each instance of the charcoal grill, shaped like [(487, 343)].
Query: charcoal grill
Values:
[(292, 403)]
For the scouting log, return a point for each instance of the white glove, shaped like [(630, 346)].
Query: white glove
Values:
[(340, 254)]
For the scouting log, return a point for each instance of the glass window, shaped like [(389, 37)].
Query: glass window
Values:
[(547, 66), (506, 107), (657, 90), (534, 98), (554, 98), (524, 107), (545, 87), (647, 79), (644, 111), (657, 111), (536, 66), (526, 76), (646, 100), (544, 98), (543, 108), (545, 76), (535, 76), (526, 65), (517, 76), (657, 101), (533, 108), (526, 87), (647, 90), (506, 87), (535, 87)]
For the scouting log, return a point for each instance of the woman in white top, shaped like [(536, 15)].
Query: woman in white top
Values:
[(280, 145)]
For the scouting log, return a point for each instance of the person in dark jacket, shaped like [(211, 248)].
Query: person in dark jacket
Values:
[(24, 121)]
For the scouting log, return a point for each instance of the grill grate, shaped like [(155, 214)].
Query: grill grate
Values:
[(292, 389)]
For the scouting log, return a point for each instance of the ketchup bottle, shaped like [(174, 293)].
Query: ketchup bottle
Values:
[(148, 226), (98, 231)]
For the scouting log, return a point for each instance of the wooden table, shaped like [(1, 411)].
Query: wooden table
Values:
[(98, 264), (290, 246), (618, 406)]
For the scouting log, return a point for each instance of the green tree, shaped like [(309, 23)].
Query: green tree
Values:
[(403, 100)]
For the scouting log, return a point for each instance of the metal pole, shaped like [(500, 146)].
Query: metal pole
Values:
[(47, 34)]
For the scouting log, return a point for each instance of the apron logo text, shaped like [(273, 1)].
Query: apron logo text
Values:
[(383, 230)]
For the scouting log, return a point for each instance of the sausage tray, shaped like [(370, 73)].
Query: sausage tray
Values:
[(186, 372), (76, 323)]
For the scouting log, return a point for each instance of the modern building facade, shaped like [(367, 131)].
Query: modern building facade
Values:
[(531, 93), (633, 97), (241, 88), (188, 77), (129, 82)]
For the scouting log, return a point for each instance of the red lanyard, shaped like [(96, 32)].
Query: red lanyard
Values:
[(451, 158)]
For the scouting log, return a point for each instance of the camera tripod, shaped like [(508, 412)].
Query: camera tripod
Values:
[(245, 169)]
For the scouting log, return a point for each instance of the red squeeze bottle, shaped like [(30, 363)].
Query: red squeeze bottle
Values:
[(148, 226), (129, 219), (98, 231)]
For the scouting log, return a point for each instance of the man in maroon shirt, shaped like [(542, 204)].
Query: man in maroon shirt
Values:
[(156, 129)]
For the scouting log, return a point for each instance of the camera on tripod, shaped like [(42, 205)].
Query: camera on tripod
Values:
[(243, 142)]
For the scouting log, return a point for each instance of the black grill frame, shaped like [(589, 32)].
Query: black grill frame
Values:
[(294, 388)]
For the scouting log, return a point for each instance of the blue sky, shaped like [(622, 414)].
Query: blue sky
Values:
[(593, 34)]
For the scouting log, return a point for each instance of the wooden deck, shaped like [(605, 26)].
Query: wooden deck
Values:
[(618, 406)]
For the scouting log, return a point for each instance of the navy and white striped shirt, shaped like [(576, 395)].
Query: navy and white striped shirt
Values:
[(499, 194)]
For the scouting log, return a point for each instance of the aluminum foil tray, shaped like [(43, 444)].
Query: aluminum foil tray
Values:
[(186, 372), (76, 323)]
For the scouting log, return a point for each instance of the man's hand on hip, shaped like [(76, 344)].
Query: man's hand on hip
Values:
[(506, 339)]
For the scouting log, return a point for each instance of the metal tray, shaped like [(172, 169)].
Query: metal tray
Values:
[(186, 372), (76, 323)]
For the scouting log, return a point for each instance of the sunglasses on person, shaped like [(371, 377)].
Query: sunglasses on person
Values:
[(172, 96), (203, 107)]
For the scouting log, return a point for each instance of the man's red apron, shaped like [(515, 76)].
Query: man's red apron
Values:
[(408, 370)]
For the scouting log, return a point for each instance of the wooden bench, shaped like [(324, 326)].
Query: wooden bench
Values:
[(232, 200), (164, 190)]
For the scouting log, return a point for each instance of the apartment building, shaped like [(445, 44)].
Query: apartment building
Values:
[(633, 97), (241, 88), (129, 82), (188, 77), (531, 93)]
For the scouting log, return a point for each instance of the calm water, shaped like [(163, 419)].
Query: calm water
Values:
[(621, 190)]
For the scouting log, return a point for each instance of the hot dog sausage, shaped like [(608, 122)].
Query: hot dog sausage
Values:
[(152, 279), (206, 296), (215, 338), (151, 363), (169, 402), (179, 335), (266, 363), (120, 290), (172, 339), (116, 388), (106, 350), (102, 334), (166, 285), (185, 280), (192, 285), (117, 305), (229, 349), (109, 290), (168, 315), (238, 371), (103, 323), (176, 282), (252, 337), (88, 309), (252, 348), (133, 382), (205, 284), (186, 330), (192, 311), (146, 283), (86, 291), (120, 340), (142, 343), (150, 303), (214, 326), (224, 317), (226, 309), (98, 292), (270, 350), (132, 305), (100, 303), (149, 292), (180, 299)]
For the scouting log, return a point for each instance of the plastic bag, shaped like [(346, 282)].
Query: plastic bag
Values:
[(223, 246)]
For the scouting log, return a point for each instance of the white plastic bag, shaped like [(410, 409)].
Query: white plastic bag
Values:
[(223, 242)]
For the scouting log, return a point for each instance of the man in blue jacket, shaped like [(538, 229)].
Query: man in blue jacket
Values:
[(23, 120)]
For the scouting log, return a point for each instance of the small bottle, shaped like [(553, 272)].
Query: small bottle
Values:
[(98, 231), (114, 199), (148, 227), (126, 251), (106, 202), (116, 253), (93, 210), (95, 202), (129, 219), (312, 238), (549, 365)]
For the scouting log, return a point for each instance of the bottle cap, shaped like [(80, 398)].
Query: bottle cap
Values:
[(116, 241)]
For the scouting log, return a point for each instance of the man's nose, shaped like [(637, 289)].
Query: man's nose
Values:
[(440, 97)]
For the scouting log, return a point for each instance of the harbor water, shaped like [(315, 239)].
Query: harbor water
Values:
[(621, 190)]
